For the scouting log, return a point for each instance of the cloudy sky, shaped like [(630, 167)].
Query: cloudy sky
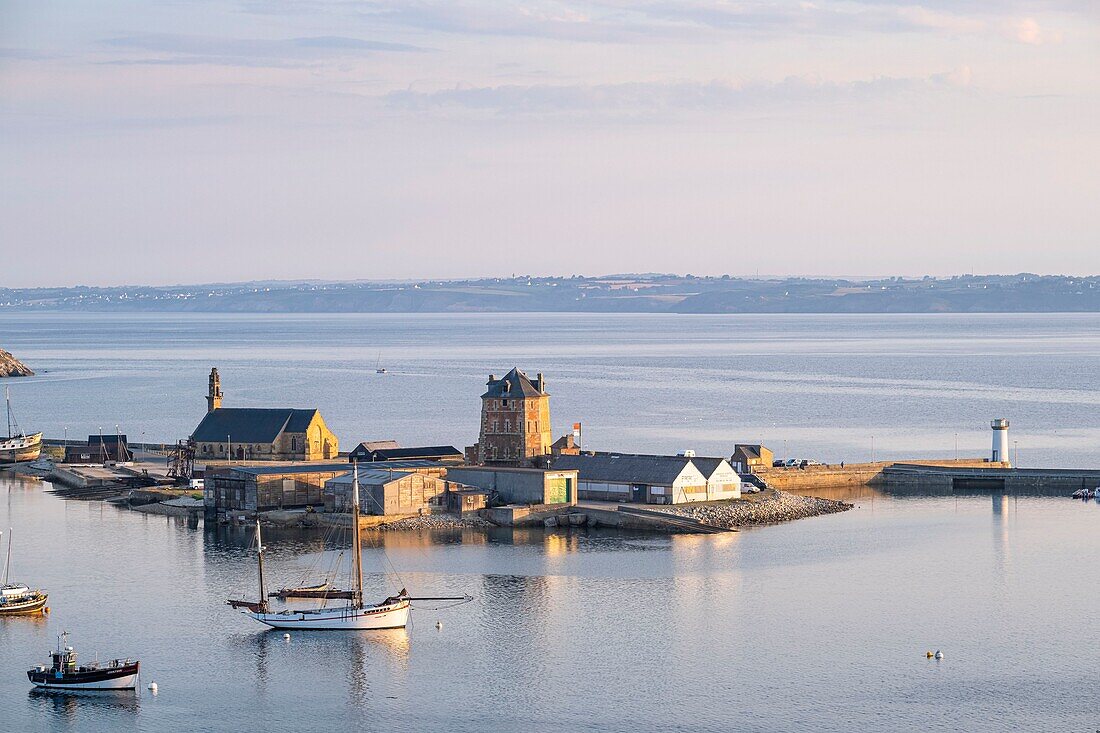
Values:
[(167, 142)]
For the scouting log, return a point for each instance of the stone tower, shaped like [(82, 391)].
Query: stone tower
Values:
[(214, 393), (515, 420)]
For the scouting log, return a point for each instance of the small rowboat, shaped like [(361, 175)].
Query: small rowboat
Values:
[(321, 590), (64, 674)]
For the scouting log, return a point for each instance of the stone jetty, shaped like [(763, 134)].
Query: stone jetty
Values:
[(768, 507), (12, 367)]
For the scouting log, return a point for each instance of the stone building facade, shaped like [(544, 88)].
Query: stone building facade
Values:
[(515, 421), (261, 434)]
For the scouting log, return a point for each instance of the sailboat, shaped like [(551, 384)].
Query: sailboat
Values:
[(392, 613), (18, 447), (18, 598), (378, 368)]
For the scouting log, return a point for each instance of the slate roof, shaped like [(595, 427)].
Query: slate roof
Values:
[(748, 450), (251, 424), (378, 445), (296, 468), (397, 454), (369, 477), (624, 468), (707, 466), (513, 385)]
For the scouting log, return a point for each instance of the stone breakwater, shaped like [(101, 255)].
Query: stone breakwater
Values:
[(769, 507), (435, 521), (12, 367)]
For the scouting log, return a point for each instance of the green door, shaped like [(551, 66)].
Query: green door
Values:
[(557, 491)]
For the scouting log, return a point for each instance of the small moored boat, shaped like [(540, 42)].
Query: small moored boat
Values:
[(18, 598), (64, 673), (18, 447)]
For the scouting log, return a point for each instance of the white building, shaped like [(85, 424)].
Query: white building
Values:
[(648, 479)]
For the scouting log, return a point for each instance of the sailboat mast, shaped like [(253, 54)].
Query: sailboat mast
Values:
[(260, 561), (7, 560), (7, 401), (357, 548)]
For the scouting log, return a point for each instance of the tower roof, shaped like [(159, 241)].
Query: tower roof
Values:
[(513, 385)]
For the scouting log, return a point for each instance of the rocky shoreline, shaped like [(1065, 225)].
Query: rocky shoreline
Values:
[(435, 521), (12, 367), (768, 507)]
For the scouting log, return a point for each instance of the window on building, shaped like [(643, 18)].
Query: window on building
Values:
[(504, 403)]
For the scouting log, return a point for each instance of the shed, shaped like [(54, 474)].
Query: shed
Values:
[(364, 453), (650, 479), (747, 457), (385, 491), (520, 485), (267, 487)]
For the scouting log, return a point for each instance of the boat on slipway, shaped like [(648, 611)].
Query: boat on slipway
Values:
[(18, 599), (64, 674), (391, 613), (18, 447)]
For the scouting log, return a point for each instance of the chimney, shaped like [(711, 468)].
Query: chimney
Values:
[(542, 383), (492, 378)]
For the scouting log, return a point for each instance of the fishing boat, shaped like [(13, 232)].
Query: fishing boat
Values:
[(64, 673), (18, 447), (18, 599), (391, 613)]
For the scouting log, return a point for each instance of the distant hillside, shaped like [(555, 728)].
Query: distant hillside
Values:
[(612, 294)]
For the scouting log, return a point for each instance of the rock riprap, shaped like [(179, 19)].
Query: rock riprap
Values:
[(436, 521), (770, 507), (12, 367)]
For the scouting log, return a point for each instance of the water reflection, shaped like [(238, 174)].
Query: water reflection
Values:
[(69, 706)]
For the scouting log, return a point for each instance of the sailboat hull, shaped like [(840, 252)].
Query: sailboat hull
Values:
[(385, 616), (33, 602), (20, 449)]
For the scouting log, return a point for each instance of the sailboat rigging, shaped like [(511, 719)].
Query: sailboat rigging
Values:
[(18, 598), (18, 447), (392, 613)]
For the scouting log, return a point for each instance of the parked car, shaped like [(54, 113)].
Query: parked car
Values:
[(777, 463), (791, 463), (808, 462)]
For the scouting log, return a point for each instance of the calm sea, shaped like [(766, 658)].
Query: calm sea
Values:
[(819, 625), (827, 387)]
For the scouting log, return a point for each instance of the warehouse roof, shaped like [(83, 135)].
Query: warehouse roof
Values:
[(251, 424), (366, 454), (624, 468), (370, 477), (289, 469)]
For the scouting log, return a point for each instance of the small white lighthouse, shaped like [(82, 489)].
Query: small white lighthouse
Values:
[(1000, 440)]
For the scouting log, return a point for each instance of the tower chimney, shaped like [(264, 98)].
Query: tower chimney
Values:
[(541, 383), (214, 393)]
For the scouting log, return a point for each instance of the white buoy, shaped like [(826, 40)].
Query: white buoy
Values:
[(286, 637), (153, 687), (439, 624), (939, 654)]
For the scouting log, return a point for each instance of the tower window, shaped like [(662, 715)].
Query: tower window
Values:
[(504, 403)]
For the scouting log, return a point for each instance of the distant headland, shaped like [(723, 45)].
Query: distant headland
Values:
[(631, 293)]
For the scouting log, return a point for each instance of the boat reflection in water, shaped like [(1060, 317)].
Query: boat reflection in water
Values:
[(319, 654)]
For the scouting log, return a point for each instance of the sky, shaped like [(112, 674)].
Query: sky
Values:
[(173, 142)]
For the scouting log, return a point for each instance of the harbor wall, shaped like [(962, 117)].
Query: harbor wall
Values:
[(852, 474)]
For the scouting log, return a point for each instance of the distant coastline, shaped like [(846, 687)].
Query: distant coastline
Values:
[(1023, 293)]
